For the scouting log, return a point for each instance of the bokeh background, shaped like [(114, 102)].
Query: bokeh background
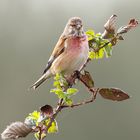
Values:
[(29, 30)]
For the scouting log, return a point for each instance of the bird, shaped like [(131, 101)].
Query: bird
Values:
[(70, 52)]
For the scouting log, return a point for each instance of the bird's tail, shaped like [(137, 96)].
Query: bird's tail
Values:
[(41, 80)]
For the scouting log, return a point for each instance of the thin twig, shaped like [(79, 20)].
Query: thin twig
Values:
[(93, 97), (40, 133)]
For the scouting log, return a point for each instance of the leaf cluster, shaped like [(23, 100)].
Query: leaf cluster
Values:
[(60, 83), (38, 122), (99, 47)]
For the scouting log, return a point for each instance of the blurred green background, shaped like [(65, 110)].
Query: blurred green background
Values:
[(29, 30)]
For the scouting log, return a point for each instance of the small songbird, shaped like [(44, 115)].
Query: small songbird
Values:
[(70, 52)]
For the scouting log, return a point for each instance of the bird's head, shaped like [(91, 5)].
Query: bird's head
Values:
[(74, 27)]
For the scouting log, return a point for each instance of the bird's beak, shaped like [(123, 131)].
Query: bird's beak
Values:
[(79, 26)]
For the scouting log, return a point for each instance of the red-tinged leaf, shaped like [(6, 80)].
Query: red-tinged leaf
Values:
[(47, 110), (132, 23), (113, 94), (109, 27), (87, 79)]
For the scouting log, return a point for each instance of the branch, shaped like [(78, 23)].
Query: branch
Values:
[(31, 124), (93, 97), (109, 33), (58, 109)]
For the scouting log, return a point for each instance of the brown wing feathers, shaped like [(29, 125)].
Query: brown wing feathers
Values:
[(59, 48)]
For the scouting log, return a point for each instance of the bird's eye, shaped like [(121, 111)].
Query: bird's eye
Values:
[(73, 25)]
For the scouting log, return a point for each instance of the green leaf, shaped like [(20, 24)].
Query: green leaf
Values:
[(57, 77), (56, 91), (32, 118), (104, 41), (53, 128), (68, 101), (90, 34), (100, 54), (56, 83), (96, 55), (71, 91), (98, 41), (34, 115), (59, 92), (37, 135), (108, 50), (92, 55), (98, 35)]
